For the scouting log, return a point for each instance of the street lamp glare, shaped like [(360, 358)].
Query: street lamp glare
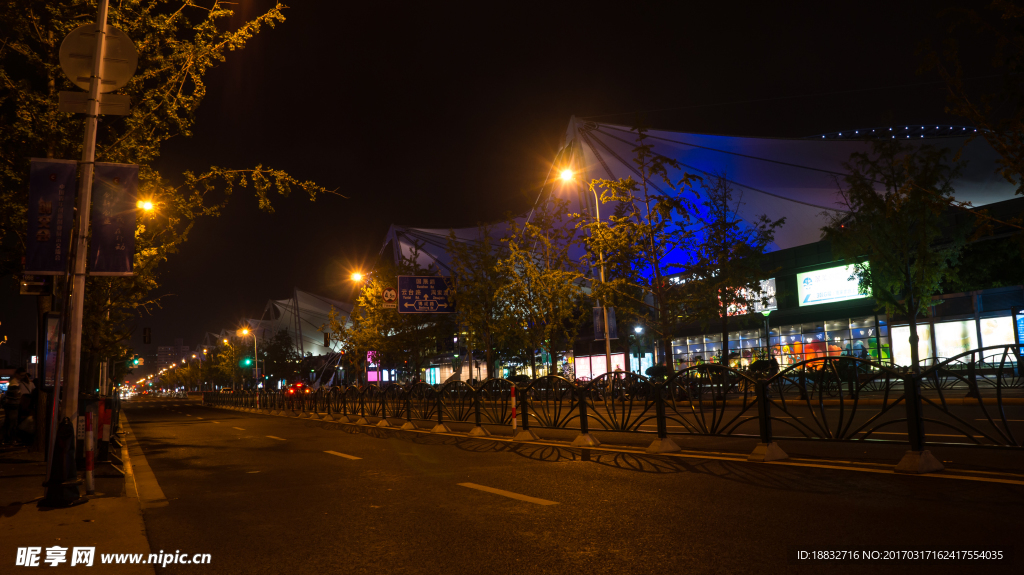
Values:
[(638, 329), (357, 277), (225, 341), (566, 175)]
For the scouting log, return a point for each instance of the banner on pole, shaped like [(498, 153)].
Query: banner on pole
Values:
[(613, 331), (51, 204), (115, 188)]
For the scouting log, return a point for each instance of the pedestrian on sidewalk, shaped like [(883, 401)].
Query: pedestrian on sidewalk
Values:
[(11, 403)]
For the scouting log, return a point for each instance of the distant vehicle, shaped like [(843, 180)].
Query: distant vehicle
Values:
[(296, 388)]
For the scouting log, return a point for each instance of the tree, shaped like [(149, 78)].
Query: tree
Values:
[(725, 260), (543, 298), (997, 114), (178, 42), (405, 341), (902, 240), (640, 240), (280, 359), (478, 278)]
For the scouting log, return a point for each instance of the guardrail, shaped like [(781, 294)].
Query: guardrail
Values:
[(961, 401)]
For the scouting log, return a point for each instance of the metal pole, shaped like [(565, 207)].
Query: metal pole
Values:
[(84, 203), (604, 308)]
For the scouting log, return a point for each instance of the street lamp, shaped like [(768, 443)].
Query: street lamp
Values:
[(767, 334), (144, 205), (357, 277), (255, 353), (567, 176)]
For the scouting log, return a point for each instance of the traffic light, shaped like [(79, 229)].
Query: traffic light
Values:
[(246, 362), (135, 360)]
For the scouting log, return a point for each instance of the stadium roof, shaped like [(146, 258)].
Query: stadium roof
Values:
[(795, 178)]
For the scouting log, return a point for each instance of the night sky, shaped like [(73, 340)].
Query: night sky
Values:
[(432, 116)]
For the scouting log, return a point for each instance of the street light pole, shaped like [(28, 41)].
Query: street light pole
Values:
[(567, 175), (82, 230)]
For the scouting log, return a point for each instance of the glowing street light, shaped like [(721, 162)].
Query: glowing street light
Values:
[(144, 205), (357, 277), (566, 175)]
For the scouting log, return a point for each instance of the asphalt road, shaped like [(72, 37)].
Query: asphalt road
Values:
[(266, 495)]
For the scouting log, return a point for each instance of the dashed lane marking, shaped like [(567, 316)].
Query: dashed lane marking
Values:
[(239, 428), (343, 455), (510, 494), (276, 437)]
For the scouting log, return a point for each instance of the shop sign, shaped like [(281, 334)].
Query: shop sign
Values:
[(828, 285)]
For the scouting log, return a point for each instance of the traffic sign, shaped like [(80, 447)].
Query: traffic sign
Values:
[(390, 297), (426, 294), (120, 57)]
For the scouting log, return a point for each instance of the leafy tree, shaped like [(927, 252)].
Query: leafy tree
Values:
[(478, 278), (280, 357), (178, 42), (640, 240), (401, 340), (725, 266), (543, 299), (900, 234), (998, 114)]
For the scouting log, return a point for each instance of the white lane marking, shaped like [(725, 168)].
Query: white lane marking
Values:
[(239, 428), (504, 493), (275, 437), (199, 418), (188, 415), (252, 471), (343, 455), (216, 422)]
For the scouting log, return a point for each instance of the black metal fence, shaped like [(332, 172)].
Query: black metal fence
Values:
[(962, 401)]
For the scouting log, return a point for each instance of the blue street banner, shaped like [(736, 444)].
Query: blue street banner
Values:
[(115, 189), (425, 294), (613, 329), (51, 205)]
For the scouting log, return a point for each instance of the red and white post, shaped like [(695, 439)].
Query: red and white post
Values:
[(513, 409)]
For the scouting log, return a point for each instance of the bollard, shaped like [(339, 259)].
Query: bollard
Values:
[(663, 444), (584, 439), (917, 459), (767, 450), (408, 408), (525, 434), (440, 427), (90, 443), (477, 430), (383, 409)]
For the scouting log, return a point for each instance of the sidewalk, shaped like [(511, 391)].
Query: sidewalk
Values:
[(111, 520)]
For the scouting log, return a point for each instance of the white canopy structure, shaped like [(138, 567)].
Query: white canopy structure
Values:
[(302, 316), (793, 178)]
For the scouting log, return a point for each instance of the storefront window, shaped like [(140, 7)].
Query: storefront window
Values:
[(955, 337), (997, 331), (901, 344)]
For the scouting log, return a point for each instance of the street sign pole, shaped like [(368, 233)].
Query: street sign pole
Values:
[(84, 201)]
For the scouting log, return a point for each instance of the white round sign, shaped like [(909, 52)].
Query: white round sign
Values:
[(390, 294), (119, 61)]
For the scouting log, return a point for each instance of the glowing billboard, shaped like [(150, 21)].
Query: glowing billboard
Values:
[(828, 285)]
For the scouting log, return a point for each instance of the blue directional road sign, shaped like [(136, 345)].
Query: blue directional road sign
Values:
[(425, 294)]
